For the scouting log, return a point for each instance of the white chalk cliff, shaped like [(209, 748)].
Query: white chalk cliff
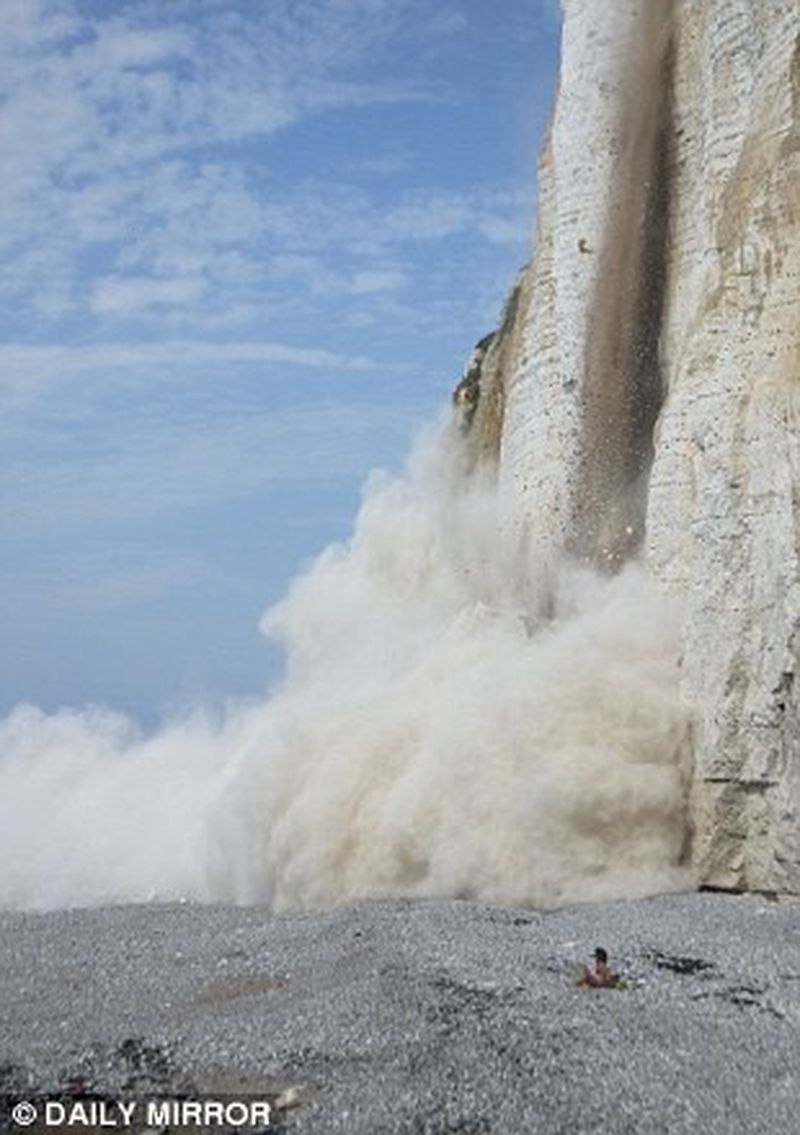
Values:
[(643, 394)]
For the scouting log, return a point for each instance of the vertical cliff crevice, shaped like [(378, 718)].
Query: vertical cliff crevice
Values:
[(622, 391)]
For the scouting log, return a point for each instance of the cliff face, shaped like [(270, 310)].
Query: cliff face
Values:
[(649, 390), (724, 498)]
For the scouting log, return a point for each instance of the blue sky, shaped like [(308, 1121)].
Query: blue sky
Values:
[(247, 246)]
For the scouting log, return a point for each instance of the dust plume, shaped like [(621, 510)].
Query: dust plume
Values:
[(432, 737)]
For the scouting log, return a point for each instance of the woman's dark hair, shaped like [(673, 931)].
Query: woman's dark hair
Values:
[(601, 955)]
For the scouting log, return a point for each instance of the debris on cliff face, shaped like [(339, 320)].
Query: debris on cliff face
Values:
[(466, 395), (479, 397)]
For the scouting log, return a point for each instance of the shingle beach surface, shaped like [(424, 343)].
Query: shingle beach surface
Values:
[(400, 1016)]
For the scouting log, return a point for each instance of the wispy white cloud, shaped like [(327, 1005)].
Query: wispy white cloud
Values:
[(96, 580), (25, 356), (105, 120), (376, 280), (159, 466), (30, 372), (139, 187), (130, 294)]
